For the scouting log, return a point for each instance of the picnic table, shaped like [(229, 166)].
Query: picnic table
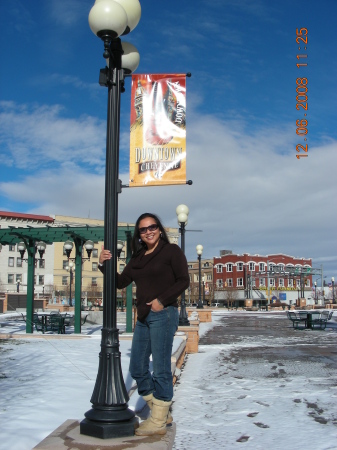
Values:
[(49, 322), (309, 319), (53, 321)]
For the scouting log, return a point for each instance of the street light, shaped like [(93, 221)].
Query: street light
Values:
[(120, 245), (203, 289), (182, 212), (70, 269), (40, 246), (110, 415), (333, 289), (199, 252), (88, 245), (315, 291)]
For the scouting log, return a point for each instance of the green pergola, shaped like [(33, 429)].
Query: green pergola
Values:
[(79, 235)]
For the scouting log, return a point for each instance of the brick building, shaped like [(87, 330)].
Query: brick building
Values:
[(261, 277)]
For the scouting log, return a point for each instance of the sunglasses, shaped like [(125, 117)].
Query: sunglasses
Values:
[(152, 227)]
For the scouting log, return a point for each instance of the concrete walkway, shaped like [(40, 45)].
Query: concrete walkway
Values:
[(258, 383)]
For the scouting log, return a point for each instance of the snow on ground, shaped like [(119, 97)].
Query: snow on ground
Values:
[(227, 397), (45, 381), (233, 396)]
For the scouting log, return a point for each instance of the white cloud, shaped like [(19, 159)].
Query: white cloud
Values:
[(249, 193), (38, 136)]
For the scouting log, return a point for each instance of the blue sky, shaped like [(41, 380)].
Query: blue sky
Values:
[(249, 193)]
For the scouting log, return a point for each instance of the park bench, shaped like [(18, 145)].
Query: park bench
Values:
[(38, 323), (297, 319), (69, 321), (55, 323), (322, 320), (85, 319)]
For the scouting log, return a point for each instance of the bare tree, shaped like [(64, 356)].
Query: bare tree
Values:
[(93, 293), (231, 295)]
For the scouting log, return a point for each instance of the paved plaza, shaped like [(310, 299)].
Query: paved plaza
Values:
[(257, 383)]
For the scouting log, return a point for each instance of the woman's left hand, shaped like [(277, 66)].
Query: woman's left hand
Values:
[(155, 305)]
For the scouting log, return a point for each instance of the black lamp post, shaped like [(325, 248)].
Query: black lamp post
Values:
[(199, 252), (182, 216), (70, 269), (110, 416), (203, 289)]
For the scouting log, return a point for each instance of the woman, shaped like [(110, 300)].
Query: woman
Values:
[(159, 270)]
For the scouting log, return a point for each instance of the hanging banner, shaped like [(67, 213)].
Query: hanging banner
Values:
[(158, 130)]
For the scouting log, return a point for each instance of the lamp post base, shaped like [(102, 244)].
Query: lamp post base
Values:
[(106, 430), (184, 322), (183, 317)]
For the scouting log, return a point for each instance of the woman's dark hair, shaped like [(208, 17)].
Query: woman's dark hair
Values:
[(137, 244)]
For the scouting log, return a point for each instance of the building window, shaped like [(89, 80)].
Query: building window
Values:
[(229, 267), (218, 269), (253, 282), (298, 283), (261, 267), (11, 248), (209, 277), (121, 267), (262, 282), (122, 255), (291, 282), (94, 267), (239, 282), (271, 282), (219, 283), (251, 266), (307, 282), (18, 262), (94, 281), (11, 261), (229, 282), (64, 281), (18, 277), (11, 278), (42, 263), (95, 253), (41, 280), (239, 266), (190, 266), (281, 282), (65, 264)]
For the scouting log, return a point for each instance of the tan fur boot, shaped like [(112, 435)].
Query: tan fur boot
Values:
[(156, 424), (149, 398)]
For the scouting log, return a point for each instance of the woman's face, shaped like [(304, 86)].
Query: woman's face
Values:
[(149, 236)]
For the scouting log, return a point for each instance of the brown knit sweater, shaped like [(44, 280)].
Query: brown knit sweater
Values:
[(162, 274)]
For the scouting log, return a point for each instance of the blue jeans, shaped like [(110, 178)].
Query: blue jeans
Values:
[(154, 336)]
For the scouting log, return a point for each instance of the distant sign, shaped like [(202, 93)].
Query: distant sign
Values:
[(273, 299), (283, 296)]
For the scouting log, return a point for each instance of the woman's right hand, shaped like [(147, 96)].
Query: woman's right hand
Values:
[(104, 255)]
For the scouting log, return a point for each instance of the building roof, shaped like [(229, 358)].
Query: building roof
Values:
[(22, 216)]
